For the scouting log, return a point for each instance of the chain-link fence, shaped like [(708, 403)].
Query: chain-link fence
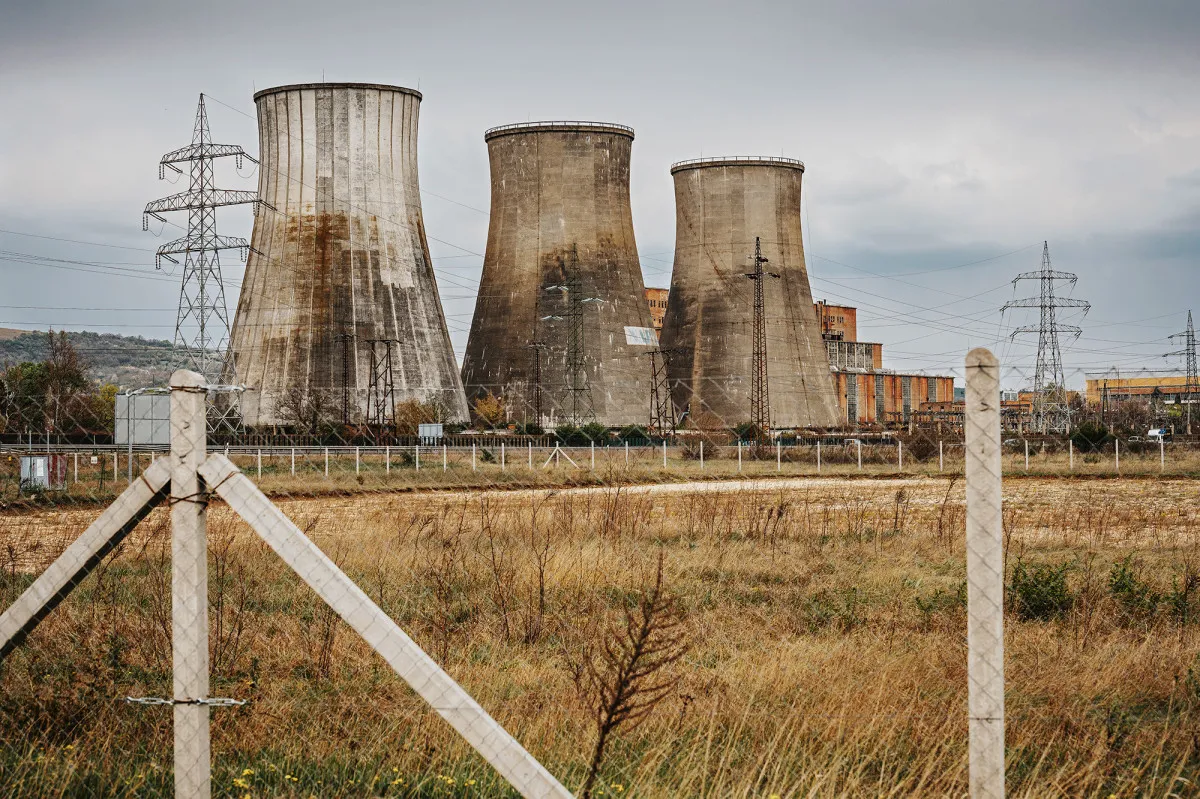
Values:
[(434, 611)]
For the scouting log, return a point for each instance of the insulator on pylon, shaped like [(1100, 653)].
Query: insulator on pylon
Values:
[(160, 171), (237, 161), (145, 223), (158, 261), (243, 253)]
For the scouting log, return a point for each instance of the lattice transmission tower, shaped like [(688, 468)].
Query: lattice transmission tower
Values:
[(579, 387), (1051, 411), (202, 322), (760, 396), (1189, 355), (381, 395), (662, 410)]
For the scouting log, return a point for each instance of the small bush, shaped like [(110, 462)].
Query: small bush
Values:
[(1090, 436), (1040, 592), (1137, 599)]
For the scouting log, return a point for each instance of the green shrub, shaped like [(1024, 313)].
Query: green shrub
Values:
[(1040, 592), (1137, 598), (1090, 436)]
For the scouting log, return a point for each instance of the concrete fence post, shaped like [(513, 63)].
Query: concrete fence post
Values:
[(664, 454), (626, 454), (1071, 454), (417, 457), (258, 462), (502, 465), (1026, 454), (593, 443), (293, 461), (327, 461), (189, 588), (739, 454), (818, 456), (985, 577), (387, 460), (1117, 451), (900, 456), (445, 466), (778, 454), (356, 460), (858, 441), (472, 456), (76, 467), (114, 468), (702, 455), (1162, 458)]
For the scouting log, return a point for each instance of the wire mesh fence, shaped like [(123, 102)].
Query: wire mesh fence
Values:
[(806, 593)]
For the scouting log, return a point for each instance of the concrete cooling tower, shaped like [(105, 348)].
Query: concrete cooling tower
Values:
[(561, 302), (341, 261), (721, 206)]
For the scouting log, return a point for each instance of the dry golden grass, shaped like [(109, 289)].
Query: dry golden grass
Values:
[(826, 630)]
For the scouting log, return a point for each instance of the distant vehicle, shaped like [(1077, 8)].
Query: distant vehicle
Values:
[(1135, 439), (1012, 442)]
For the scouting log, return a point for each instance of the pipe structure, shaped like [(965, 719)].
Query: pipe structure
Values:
[(561, 256), (341, 261), (722, 205)]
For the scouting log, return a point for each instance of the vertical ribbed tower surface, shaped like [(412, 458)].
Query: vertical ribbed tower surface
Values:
[(559, 186), (342, 259), (721, 205)]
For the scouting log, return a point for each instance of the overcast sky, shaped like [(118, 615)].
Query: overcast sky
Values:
[(935, 135)]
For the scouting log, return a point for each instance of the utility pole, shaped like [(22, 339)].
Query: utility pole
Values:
[(579, 386), (536, 347), (1189, 354), (381, 399), (1051, 411), (760, 400), (202, 322), (662, 410)]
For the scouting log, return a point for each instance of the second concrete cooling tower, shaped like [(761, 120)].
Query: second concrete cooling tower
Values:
[(561, 324), (721, 206), (340, 284)]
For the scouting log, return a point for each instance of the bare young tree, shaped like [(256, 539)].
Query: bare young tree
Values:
[(624, 675)]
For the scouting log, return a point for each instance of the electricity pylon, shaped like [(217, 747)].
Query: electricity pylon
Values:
[(1189, 354), (760, 399), (662, 410), (381, 400), (579, 385), (202, 322), (537, 347), (1051, 411)]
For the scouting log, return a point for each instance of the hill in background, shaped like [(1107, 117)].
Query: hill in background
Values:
[(126, 361)]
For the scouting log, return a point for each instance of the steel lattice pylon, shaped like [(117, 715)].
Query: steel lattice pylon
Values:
[(1189, 354), (202, 323), (662, 410), (578, 383), (381, 399), (1051, 412), (760, 397)]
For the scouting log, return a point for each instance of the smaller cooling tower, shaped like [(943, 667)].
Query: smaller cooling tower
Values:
[(561, 304), (721, 206), (341, 262)]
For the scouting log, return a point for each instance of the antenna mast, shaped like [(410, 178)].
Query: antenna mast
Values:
[(1051, 412)]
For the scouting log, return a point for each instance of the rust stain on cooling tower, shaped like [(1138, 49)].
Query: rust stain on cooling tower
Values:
[(342, 259), (721, 205), (560, 216)]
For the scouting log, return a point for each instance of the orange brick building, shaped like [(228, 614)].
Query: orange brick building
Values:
[(657, 298)]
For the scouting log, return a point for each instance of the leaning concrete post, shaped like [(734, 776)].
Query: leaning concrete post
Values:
[(189, 587), (985, 577)]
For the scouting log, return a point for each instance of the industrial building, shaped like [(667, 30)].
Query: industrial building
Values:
[(722, 206), (339, 311), (561, 328), (1168, 389), (656, 298)]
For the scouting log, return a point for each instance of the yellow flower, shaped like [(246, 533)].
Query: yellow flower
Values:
[(240, 783), (246, 772)]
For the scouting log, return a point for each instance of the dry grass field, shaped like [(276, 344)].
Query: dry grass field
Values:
[(823, 620)]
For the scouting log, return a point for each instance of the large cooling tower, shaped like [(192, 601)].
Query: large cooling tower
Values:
[(721, 206), (561, 254), (341, 261)]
